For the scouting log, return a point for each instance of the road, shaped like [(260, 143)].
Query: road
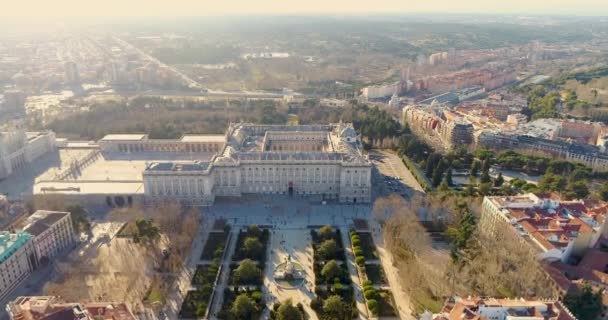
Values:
[(191, 83), (388, 166), (392, 273)]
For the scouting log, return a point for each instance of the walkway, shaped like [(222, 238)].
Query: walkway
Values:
[(354, 274), (392, 273), (218, 298)]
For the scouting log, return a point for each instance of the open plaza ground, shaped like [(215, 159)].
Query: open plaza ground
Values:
[(290, 220)]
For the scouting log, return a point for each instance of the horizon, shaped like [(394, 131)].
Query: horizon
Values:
[(64, 9)]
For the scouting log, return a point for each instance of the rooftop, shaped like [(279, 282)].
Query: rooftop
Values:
[(42, 220), (204, 138), (89, 187), (548, 221), (49, 308), (473, 308), (11, 242), (125, 137), (178, 166)]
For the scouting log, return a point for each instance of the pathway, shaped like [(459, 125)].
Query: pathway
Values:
[(218, 298), (297, 244), (354, 274), (392, 273), (184, 280)]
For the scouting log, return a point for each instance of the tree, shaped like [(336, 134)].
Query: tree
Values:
[(326, 232), (603, 193), (499, 180), (328, 248), (586, 304), (243, 307), (287, 311), (330, 270), (474, 168), (448, 177), (254, 231), (146, 230), (79, 217), (485, 165), (247, 271), (252, 247), (438, 173), (334, 307), (550, 182), (431, 162), (578, 190), (461, 234), (484, 188)]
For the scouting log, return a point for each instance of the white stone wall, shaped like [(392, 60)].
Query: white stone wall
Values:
[(331, 180)]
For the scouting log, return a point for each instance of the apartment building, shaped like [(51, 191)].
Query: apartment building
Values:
[(17, 260), (52, 233)]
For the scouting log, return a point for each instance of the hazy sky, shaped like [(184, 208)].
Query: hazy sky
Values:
[(80, 8)]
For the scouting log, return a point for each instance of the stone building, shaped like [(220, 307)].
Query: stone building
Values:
[(323, 160), (18, 148)]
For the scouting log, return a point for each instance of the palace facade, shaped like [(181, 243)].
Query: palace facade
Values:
[(323, 160)]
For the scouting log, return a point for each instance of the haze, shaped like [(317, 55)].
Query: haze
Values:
[(77, 8)]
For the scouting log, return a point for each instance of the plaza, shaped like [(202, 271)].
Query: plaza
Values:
[(290, 220)]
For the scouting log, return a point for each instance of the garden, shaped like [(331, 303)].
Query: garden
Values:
[(379, 302), (242, 304), (215, 245), (252, 244), (334, 292), (196, 301)]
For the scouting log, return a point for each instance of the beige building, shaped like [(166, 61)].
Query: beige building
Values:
[(440, 128), (53, 232), (323, 160)]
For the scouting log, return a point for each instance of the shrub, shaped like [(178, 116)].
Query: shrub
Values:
[(367, 283), (373, 306), (356, 242), (369, 294), (360, 261), (257, 296), (358, 252), (316, 304)]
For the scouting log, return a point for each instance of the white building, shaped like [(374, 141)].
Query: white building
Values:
[(479, 308), (323, 160), (133, 143), (381, 91), (553, 228), (53, 232), (17, 148), (17, 260)]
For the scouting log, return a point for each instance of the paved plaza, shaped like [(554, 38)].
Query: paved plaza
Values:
[(290, 220), (389, 166), (296, 245)]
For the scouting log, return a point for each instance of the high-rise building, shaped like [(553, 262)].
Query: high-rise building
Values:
[(72, 76)]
